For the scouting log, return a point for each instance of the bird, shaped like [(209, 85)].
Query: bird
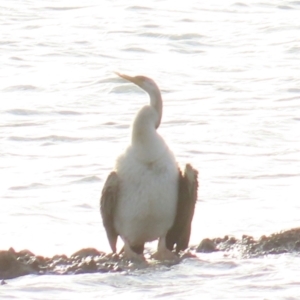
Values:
[(147, 196)]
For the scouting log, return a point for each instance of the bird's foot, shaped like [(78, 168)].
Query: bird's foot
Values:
[(132, 256), (165, 255), (136, 258)]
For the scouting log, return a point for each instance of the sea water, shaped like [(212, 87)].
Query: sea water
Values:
[(229, 72)]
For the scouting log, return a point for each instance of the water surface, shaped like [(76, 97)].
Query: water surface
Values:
[(229, 74)]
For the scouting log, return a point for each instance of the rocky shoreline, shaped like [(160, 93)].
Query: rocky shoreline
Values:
[(89, 260), (287, 241)]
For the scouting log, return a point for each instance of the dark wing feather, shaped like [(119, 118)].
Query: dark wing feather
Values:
[(107, 207), (179, 233)]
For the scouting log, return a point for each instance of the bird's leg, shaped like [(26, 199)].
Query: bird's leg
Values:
[(163, 253), (131, 255)]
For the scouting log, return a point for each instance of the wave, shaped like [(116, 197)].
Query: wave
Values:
[(53, 138), (137, 49), (68, 113), (63, 8), (21, 124), (89, 179), (22, 112), (186, 36), (137, 7), (21, 87), (30, 112), (30, 186)]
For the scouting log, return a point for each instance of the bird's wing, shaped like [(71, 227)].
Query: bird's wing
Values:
[(179, 233), (108, 203)]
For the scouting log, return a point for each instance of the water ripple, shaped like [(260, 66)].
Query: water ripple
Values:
[(53, 138), (29, 187), (62, 8), (89, 179), (23, 112), (17, 88)]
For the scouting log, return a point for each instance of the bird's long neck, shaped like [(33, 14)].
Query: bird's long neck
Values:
[(156, 103), (148, 145)]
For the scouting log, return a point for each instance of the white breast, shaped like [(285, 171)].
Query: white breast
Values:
[(147, 198)]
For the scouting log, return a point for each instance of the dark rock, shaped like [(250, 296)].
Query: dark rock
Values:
[(79, 271), (263, 238), (232, 240), (88, 267), (12, 250), (297, 246), (278, 243), (277, 251), (11, 267), (117, 269), (88, 252), (6, 260), (206, 246), (59, 257), (218, 241), (247, 239), (25, 253)]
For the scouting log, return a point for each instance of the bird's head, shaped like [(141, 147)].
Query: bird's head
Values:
[(148, 85), (145, 83)]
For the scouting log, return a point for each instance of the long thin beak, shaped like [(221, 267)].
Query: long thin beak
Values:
[(127, 77)]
